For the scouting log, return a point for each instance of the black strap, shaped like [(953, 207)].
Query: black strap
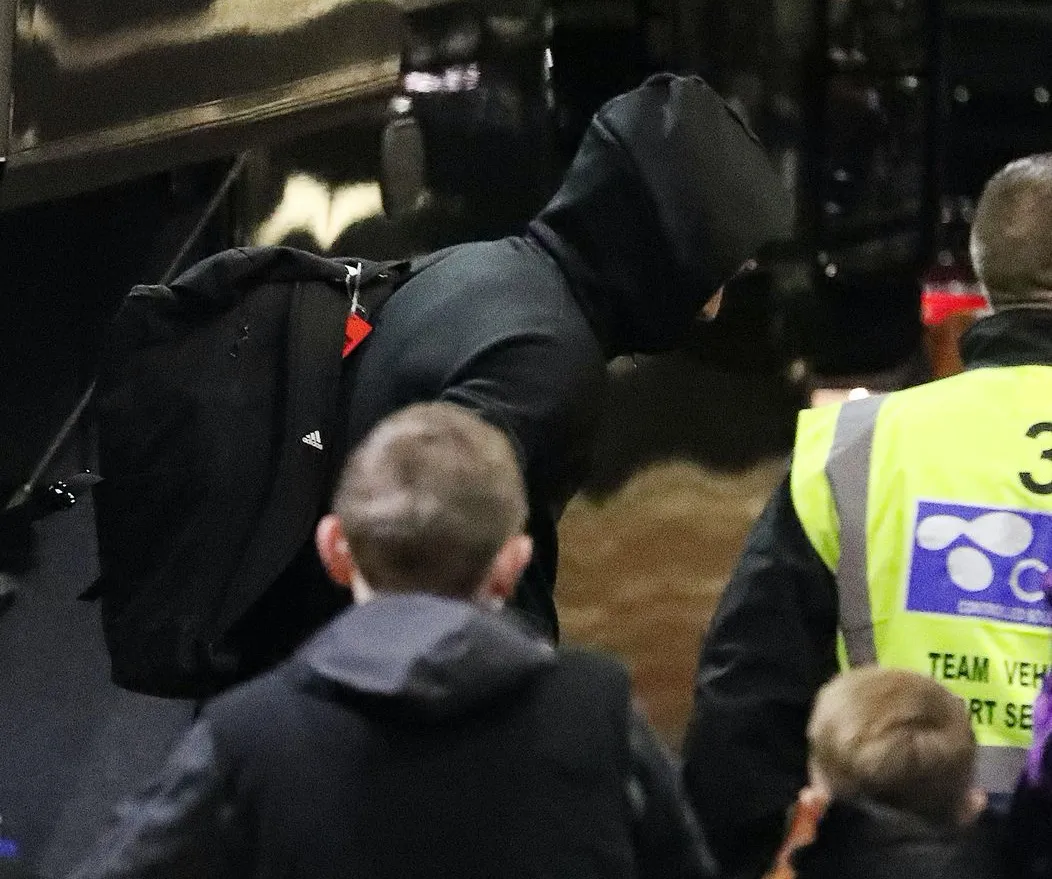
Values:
[(379, 281), (316, 375), (315, 338)]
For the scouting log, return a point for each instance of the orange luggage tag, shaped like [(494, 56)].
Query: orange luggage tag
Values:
[(358, 326)]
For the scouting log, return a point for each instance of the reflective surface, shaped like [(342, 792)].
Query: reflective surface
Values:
[(875, 160), (73, 77), (475, 89), (103, 80), (892, 36), (323, 192)]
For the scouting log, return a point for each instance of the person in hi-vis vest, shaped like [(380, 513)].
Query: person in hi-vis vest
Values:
[(913, 530)]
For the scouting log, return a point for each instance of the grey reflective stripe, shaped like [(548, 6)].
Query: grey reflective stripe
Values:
[(997, 768), (847, 470)]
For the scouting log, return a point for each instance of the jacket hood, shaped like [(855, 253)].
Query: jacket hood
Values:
[(435, 656), (669, 194)]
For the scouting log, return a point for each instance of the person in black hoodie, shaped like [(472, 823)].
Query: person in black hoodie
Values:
[(423, 732), (891, 793), (669, 195)]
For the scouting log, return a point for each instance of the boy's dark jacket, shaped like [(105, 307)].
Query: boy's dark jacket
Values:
[(415, 736), (668, 196), (870, 841)]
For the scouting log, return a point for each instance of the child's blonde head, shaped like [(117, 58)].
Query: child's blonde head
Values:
[(894, 737)]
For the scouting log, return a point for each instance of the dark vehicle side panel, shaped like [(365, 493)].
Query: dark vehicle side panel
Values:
[(106, 92), (7, 47)]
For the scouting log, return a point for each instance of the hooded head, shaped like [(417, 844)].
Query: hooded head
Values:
[(669, 195)]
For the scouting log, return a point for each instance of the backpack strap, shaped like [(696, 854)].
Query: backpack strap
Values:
[(313, 357), (312, 446)]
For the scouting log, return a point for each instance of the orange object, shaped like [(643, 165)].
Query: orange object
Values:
[(937, 305), (806, 812), (357, 329), (948, 309)]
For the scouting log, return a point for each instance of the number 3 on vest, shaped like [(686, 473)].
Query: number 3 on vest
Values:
[(1029, 483)]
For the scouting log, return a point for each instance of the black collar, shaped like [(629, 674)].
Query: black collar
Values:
[(1017, 337)]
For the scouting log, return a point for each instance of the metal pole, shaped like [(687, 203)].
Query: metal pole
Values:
[(206, 217), (26, 489)]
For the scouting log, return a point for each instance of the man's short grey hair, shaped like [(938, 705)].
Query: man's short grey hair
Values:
[(427, 500), (1011, 239)]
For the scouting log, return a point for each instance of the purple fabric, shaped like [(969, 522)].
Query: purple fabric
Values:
[(1037, 773)]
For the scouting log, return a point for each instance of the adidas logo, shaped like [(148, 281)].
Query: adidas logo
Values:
[(313, 439)]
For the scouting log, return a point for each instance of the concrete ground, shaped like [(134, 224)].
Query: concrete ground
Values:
[(641, 572), (71, 744)]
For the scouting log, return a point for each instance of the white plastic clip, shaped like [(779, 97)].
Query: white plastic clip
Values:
[(355, 272)]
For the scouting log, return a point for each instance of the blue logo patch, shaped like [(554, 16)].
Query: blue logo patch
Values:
[(981, 562)]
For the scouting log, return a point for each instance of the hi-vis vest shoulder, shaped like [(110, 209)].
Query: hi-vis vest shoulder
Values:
[(933, 507)]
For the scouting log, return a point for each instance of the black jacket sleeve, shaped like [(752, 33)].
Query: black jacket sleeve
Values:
[(668, 841), (771, 645), (549, 417), (185, 824)]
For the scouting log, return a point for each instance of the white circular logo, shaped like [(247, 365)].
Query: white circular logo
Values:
[(1002, 533), (1030, 595), (969, 569)]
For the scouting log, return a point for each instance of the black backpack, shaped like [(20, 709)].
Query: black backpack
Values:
[(219, 442)]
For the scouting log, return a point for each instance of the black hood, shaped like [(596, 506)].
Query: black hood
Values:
[(669, 194), (434, 656)]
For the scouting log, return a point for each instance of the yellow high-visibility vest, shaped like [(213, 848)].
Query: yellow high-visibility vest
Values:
[(933, 508)]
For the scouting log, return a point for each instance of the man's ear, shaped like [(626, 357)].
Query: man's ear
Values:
[(333, 550), (507, 568)]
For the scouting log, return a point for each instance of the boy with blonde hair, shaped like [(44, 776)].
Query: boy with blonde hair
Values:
[(894, 737), (891, 763)]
